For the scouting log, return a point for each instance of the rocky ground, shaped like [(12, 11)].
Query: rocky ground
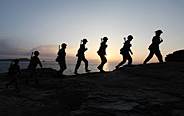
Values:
[(139, 90)]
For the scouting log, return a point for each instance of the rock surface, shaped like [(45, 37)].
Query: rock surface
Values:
[(177, 56), (139, 90)]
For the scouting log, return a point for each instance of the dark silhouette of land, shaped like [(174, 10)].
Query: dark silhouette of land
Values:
[(20, 59), (177, 56)]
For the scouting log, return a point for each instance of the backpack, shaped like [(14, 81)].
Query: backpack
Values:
[(12, 68), (57, 59)]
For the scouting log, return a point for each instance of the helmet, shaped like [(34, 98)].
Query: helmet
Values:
[(130, 37), (84, 40), (158, 31), (36, 52), (105, 38), (16, 60), (63, 45)]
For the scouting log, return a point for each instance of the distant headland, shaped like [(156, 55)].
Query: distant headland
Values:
[(21, 59)]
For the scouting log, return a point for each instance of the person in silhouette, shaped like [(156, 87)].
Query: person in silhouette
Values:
[(154, 47), (61, 59), (32, 66), (125, 51), (81, 56), (14, 70), (102, 53)]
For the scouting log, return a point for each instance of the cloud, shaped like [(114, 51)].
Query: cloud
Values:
[(47, 52), (9, 49)]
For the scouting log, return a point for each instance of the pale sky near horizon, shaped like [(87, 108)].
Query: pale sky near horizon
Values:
[(29, 25)]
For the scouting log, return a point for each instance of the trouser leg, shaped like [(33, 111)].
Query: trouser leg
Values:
[(78, 64), (30, 75), (62, 67), (34, 72), (103, 61), (149, 56), (129, 59), (159, 56), (13, 80), (16, 82), (86, 64), (122, 62), (36, 76)]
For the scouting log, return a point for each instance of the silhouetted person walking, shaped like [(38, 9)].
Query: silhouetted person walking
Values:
[(81, 56), (125, 52), (154, 47), (102, 53), (14, 70), (32, 67), (61, 59)]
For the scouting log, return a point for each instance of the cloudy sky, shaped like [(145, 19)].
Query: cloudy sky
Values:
[(29, 25)]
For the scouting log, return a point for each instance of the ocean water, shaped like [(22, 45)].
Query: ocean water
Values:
[(4, 65)]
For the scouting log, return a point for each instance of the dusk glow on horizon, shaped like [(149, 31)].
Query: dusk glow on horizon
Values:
[(43, 25)]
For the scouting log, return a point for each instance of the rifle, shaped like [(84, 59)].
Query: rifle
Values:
[(81, 42), (57, 58), (59, 48), (29, 66), (10, 68), (31, 54), (124, 38)]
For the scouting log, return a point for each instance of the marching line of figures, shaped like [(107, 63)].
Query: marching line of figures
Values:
[(124, 51)]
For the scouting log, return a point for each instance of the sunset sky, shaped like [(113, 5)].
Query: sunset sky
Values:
[(29, 25)]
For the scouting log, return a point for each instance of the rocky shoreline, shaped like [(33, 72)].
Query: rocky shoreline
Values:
[(140, 90)]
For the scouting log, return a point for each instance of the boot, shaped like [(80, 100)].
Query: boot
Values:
[(76, 73), (87, 70), (117, 67)]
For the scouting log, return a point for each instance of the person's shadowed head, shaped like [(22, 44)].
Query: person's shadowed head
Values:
[(158, 32), (84, 41), (130, 37), (36, 53), (105, 39), (63, 45)]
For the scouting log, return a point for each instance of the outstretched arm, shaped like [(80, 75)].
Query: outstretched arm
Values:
[(157, 41), (161, 40), (40, 64), (131, 51)]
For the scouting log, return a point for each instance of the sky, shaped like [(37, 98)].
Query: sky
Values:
[(42, 25)]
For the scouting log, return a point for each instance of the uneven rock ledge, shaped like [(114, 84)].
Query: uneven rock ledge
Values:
[(139, 90)]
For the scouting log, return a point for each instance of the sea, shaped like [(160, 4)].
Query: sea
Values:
[(4, 65)]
